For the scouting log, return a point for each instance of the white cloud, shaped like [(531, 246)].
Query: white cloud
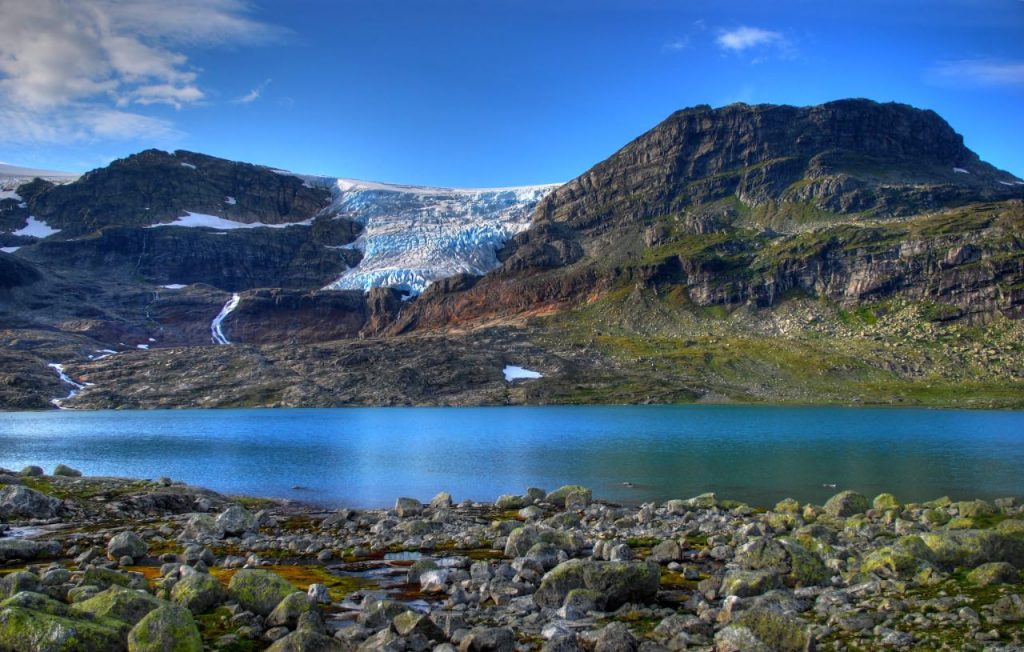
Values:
[(743, 38), (676, 44), (254, 94), (979, 72), (79, 64)]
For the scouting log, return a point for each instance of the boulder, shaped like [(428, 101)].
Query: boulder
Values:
[(558, 496), (168, 628), (666, 551), (236, 520), (406, 507), (259, 591), (443, 500), (885, 502), (29, 630), (618, 582), (18, 581), (509, 501), (488, 639), (520, 540), (305, 641), (748, 583), (408, 623), (20, 501), (32, 471), (797, 565), (771, 630), (288, 610), (1010, 608), (846, 503), (119, 603), (972, 548), (199, 592), (615, 637), (378, 613), (11, 549), (66, 471), (126, 544), (992, 573)]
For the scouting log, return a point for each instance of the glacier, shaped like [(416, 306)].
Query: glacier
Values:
[(415, 235)]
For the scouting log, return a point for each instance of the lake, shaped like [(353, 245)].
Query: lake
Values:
[(366, 457)]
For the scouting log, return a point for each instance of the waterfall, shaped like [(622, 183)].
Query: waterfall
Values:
[(215, 328)]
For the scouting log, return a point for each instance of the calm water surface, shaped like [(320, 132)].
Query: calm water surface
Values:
[(368, 456)]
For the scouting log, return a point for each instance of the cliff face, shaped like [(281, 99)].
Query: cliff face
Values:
[(716, 254), (851, 201)]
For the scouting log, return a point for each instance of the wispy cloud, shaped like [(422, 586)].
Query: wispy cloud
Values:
[(978, 73), (676, 45), (81, 65), (254, 94), (743, 38)]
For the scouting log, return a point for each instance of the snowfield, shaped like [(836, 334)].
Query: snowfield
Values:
[(36, 228), (513, 372), (200, 220), (416, 235)]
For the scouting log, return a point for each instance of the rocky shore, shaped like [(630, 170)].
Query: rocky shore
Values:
[(101, 564)]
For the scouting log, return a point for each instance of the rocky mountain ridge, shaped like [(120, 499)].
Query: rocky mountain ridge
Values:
[(866, 221)]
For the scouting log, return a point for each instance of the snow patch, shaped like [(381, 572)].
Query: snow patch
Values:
[(960, 171), (216, 327), (188, 165), (66, 379), (10, 194), (201, 220), (173, 286), (9, 250), (36, 228), (142, 346), (519, 373), (230, 201)]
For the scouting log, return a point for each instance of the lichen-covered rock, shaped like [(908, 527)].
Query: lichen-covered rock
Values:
[(126, 544), (259, 591), (744, 584), (520, 540), (20, 501), (410, 622), (797, 565), (997, 572), (18, 581), (168, 628), (119, 603), (36, 602), (510, 501), (618, 582), (972, 548), (776, 631), (104, 578), (885, 501), (558, 496), (28, 630), (1009, 607), (288, 610), (578, 500), (846, 503), (198, 592), (378, 613)]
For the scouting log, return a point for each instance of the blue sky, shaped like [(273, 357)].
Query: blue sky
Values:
[(475, 93)]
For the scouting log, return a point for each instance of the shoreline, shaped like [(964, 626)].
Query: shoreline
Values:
[(121, 560)]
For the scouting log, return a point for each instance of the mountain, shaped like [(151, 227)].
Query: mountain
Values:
[(848, 252)]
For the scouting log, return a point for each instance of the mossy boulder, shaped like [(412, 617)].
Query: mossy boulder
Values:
[(378, 613), (776, 631), (1013, 527), (510, 501), (558, 496), (618, 582), (991, 574), (36, 602), (305, 641), (199, 592), (797, 565), (18, 581), (520, 540), (236, 520), (11, 549), (846, 503), (259, 591), (169, 628), (975, 508), (288, 610), (747, 583), (972, 548), (412, 622), (884, 502), (28, 630), (119, 603), (787, 506)]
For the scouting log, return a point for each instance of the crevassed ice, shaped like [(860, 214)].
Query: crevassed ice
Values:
[(416, 235)]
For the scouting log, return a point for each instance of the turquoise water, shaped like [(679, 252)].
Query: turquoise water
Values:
[(367, 457)]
